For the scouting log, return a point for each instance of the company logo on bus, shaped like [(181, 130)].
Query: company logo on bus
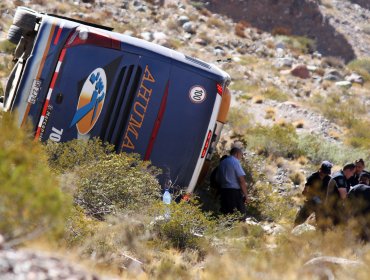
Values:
[(90, 103), (197, 94)]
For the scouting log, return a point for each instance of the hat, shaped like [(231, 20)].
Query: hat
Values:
[(326, 167)]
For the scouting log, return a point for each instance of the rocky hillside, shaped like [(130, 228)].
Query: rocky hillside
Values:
[(338, 27), (277, 76), (299, 63), (287, 61)]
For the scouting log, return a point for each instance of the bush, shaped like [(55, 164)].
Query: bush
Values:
[(359, 134), (274, 94), (7, 47), (79, 227), (279, 141), (30, 201), (119, 183), (267, 204), (239, 120), (361, 66), (340, 110), (317, 149), (111, 241), (185, 226), (66, 156), (298, 44)]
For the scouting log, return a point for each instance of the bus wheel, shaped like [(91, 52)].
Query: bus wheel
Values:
[(25, 19), (14, 34)]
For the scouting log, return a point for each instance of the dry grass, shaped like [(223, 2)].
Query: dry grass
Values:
[(331, 61), (171, 24), (270, 113), (281, 122), (280, 161), (214, 22), (302, 160), (298, 124), (258, 99), (297, 178), (334, 134)]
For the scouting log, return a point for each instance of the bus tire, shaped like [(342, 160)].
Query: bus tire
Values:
[(25, 19), (14, 34)]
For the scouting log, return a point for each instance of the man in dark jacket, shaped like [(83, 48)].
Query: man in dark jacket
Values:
[(360, 166), (359, 206), (337, 191), (315, 193)]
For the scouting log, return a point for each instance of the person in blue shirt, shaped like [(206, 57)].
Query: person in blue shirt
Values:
[(231, 177)]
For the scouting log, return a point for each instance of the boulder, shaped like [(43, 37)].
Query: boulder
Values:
[(182, 20), (300, 71), (344, 84), (333, 75), (303, 228), (355, 78), (189, 27), (284, 62)]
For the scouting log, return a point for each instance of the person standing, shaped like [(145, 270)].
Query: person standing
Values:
[(360, 166), (337, 191), (231, 177), (359, 206), (315, 193)]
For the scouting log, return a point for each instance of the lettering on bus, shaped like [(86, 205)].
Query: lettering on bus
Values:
[(140, 106)]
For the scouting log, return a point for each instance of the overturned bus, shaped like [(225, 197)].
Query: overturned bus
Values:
[(76, 80)]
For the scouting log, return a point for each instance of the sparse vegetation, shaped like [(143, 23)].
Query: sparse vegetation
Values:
[(318, 150), (340, 109), (117, 216), (362, 67), (270, 113), (332, 61), (276, 140), (240, 120), (274, 94), (298, 44), (214, 22)]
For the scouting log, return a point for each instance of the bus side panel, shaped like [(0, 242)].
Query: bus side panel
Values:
[(76, 70), (145, 105), (185, 123)]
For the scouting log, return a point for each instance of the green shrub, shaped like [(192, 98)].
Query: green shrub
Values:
[(121, 182), (239, 120), (267, 204), (30, 199), (242, 85), (361, 66), (274, 94), (79, 227), (278, 141), (359, 134), (339, 111), (298, 43), (7, 47), (66, 156), (185, 225), (318, 149)]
